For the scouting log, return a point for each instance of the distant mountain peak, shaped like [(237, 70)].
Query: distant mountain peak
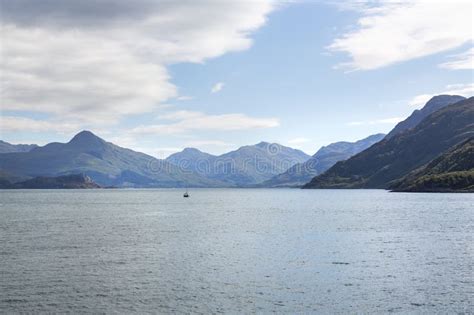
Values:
[(443, 98), (435, 103), (262, 144), (84, 134), (104, 162), (388, 161), (191, 150), (86, 137), (247, 165), (349, 148), (378, 136), (188, 156), (326, 157), (188, 152), (6, 147)]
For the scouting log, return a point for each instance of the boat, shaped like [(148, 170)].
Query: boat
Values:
[(186, 195)]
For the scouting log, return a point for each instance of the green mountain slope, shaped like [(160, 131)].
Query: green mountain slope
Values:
[(327, 156), (395, 157), (452, 171), (106, 163)]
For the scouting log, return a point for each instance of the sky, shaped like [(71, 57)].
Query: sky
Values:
[(159, 76)]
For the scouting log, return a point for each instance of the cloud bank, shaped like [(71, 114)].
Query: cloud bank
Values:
[(100, 60), (394, 31), (183, 121)]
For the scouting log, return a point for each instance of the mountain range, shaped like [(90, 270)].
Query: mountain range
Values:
[(389, 160), (6, 147), (112, 166), (323, 159), (430, 150), (245, 166), (107, 164)]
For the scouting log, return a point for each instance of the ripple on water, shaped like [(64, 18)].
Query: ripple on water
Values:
[(235, 251)]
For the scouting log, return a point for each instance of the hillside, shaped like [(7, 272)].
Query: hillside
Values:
[(393, 158), (326, 157), (74, 181), (106, 163), (434, 104), (6, 147), (245, 166), (452, 171), (191, 159)]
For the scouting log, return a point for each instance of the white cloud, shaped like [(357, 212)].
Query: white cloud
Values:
[(299, 140), (124, 140), (396, 31), (181, 115), (465, 90), (184, 98), (215, 147), (420, 100), (102, 60), (160, 153), (184, 121), (461, 61), (217, 87), (391, 120), (16, 124), (216, 143)]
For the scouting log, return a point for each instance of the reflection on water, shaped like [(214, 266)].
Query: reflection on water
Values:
[(235, 250)]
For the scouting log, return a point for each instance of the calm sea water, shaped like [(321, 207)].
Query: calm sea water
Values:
[(236, 251)]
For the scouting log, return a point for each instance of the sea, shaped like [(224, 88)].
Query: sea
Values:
[(236, 251)]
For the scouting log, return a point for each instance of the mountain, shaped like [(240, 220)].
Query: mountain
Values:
[(104, 162), (256, 163), (452, 171), (327, 156), (245, 166), (6, 147), (390, 159), (74, 181), (434, 104), (191, 159), (8, 178)]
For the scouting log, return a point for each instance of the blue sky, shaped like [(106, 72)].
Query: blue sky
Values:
[(302, 73)]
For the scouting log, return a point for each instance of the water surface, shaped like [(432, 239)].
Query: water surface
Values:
[(235, 250)]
